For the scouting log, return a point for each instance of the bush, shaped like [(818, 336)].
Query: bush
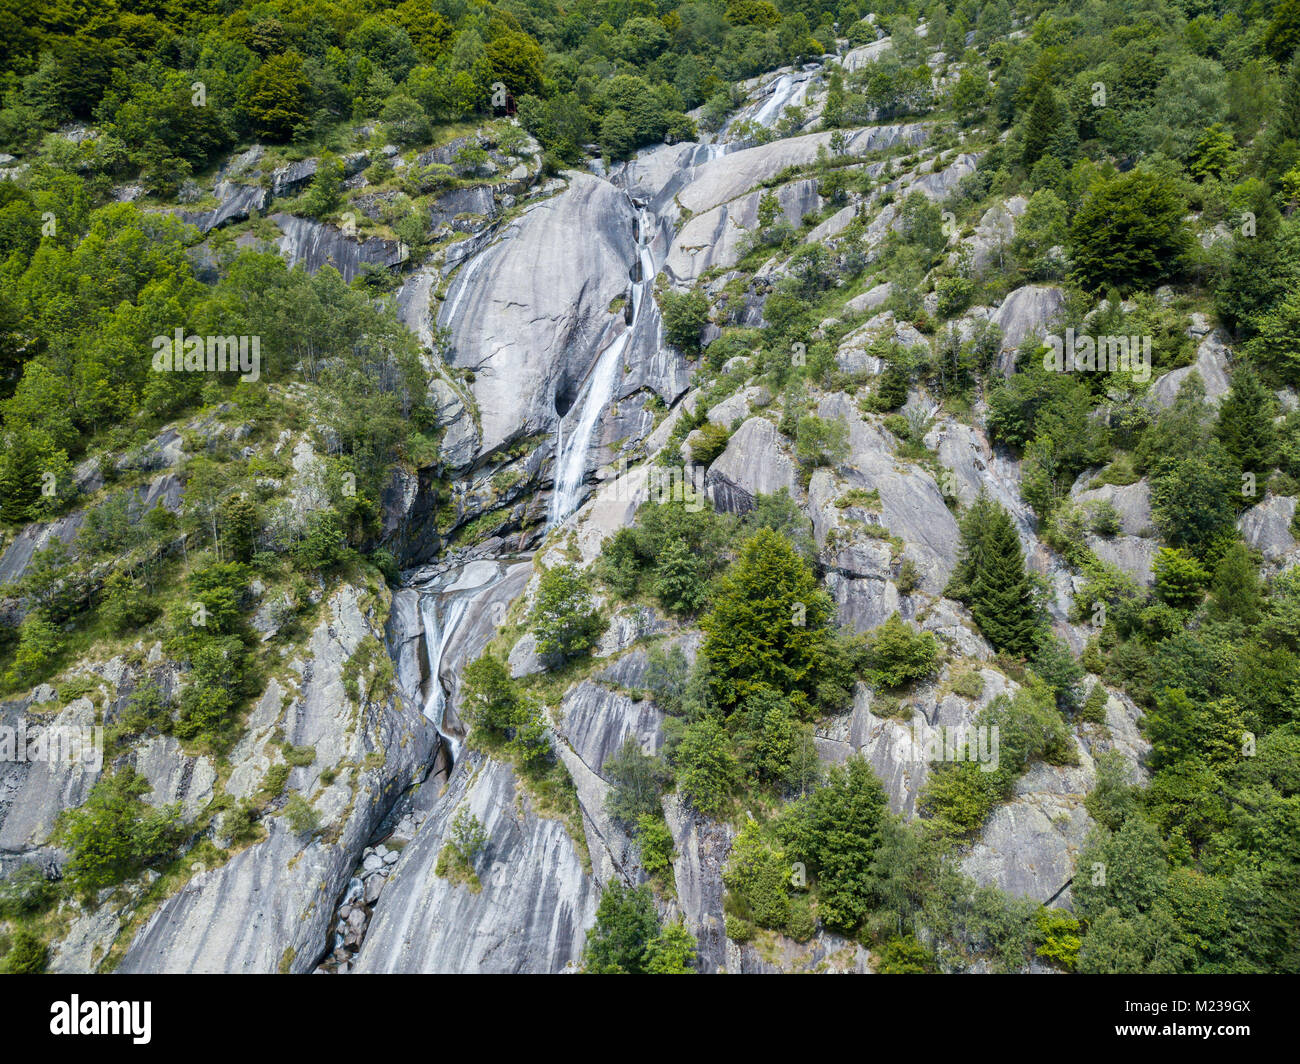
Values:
[(1105, 519), (903, 955), (709, 441), (685, 316), (834, 832), (26, 893), (302, 818), (39, 644), (637, 779), (1094, 706), (564, 621), (899, 654), (759, 876), (114, 835), (819, 442), (707, 770), (1130, 233), (656, 843), (27, 955), (458, 859)]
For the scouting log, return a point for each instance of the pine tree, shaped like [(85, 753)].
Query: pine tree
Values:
[(973, 525), (990, 577), (20, 483), (1043, 127), (1245, 426)]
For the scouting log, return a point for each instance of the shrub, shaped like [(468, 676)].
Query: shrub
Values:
[(1130, 232), (706, 766), (302, 818), (27, 955), (821, 442), (685, 316), (458, 858), (26, 893), (637, 779), (759, 875), (903, 955), (1105, 519), (1094, 706), (39, 644), (114, 835), (656, 843), (709, 441), (901, 655)]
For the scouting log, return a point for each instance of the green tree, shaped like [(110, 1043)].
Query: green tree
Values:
[(1130, 233), (685, 315), (275, 97), (490, 699), (637, 779), (990, 577), (1245, 426), (27, 954), (39, 645), (114, 835), (672, 951), (899, 654), (706, 766), (834, 832), (564, 621), (768, 625), (625, 927), (1192, 498), (1044, 126), (1180, 579)]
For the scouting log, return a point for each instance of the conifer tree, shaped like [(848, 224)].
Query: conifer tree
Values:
[(1245, 426), (1043, 125), (769, 622), (990, 577)]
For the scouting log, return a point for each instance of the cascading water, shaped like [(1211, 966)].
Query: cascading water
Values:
[(437, 634), (461, 285), (782, 93), (574, 433)]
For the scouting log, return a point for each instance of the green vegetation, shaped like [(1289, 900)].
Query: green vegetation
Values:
[(114, 835), (628, 938), (459, 857), (564, 621)]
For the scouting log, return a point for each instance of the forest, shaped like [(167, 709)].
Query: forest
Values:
[(1153, 150)]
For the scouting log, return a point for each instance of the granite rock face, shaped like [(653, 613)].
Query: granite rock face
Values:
[(754, 461), (536, 289), (1211, 365), (315, 245), (1028, 311), (270, 906), (1266, 526), (535, 903)]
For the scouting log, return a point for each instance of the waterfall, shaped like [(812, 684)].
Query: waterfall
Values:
[(461, 284), (776, 100), (572, 446), (436, 637)]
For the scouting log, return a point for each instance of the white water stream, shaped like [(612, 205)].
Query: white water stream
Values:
[(574, 433)]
